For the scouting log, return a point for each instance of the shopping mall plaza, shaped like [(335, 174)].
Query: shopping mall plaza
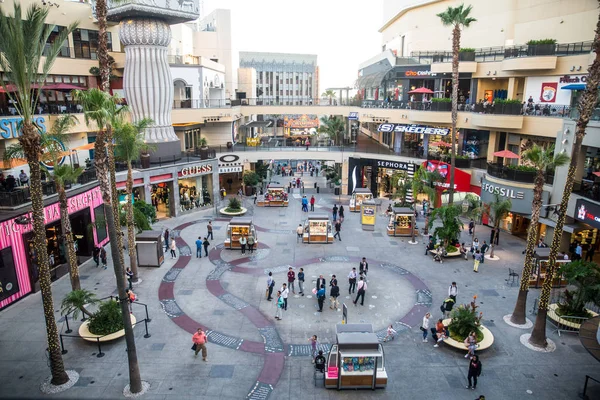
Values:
[(219, 114)]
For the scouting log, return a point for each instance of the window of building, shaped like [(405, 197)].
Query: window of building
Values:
[(100, 223), (64, 50), (287, 92), (85, 43)]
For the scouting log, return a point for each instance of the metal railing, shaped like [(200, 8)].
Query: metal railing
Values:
[(504, 172), (584, 395)]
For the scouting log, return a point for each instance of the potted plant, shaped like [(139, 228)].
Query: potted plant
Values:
[(250, 180), (466, 54), (441, 104), (203, 148), (508, 106), (543, 47), (464, 320), (585, 276)]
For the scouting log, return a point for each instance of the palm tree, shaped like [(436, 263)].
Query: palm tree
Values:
[(499, 209), (542, 160), (330, 94), (400, 182), (451, 225), (586, 106), (102, 51), (474, 211), (22, 44), (332, 126), (457, 18), (424, 182), (76, 301), (130, 145), (100, 109)]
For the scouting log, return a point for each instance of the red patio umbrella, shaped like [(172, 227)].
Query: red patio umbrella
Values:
[(421, 90), (62, 86), (506, 154)]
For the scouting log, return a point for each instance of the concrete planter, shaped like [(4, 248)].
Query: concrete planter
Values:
[(486, 343), (233, 214), (85, 333)]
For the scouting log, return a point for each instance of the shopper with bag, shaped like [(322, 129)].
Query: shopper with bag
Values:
[(199, 340)]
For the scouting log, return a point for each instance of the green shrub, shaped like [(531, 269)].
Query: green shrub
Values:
[(467, 50), (251, 178), (464, 321), (507, 101), (108, 319), (541, 41), (234, 205), (523, 168), (441, 100), (147, 209)]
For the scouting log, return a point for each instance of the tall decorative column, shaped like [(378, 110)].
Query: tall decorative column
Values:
[(146, 33)]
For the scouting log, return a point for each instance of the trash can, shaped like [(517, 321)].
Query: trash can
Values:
[(336, 191)]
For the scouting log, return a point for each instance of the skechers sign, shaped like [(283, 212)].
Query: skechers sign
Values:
[(10, 127), (424, 129)]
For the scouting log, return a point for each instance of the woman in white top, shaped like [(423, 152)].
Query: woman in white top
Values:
[(475, 245), (471, 344), (173, 246), (425, 326), (243, 242)]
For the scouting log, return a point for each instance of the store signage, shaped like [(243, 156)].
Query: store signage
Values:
[(301, 121), (462, 179), (573, 79), (521, 198), (9, 127), (424, 129), (419, 73), (353, 116), (587, 212), (196, 170), (226, 170), (548, 94), (229, 158), (393, 165)]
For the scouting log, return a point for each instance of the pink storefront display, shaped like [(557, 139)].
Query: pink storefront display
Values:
[(18, 272)]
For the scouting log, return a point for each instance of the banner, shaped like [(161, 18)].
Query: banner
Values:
[(368, 214), (548, 94), (424, 129)]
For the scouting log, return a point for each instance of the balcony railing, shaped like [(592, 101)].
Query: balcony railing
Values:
[(504, 172), (502, 52)]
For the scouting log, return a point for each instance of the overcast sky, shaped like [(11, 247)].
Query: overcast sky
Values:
[(342, 33)]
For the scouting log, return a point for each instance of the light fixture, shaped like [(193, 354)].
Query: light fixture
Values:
[(488, 73), (564, 151), (495, 72), (466, 119), (579, 68), (572, 68), (22, 220), (565, 141), (567, 131)]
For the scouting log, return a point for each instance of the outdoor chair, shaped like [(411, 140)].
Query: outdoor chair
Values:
[(511, 276)]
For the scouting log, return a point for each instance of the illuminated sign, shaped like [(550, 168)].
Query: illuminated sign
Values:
[(419, 73), (9, 127), (226, 170), (424, 129), (502, 191), (587, 212), (393, 165), (573, 79), (196, 170)]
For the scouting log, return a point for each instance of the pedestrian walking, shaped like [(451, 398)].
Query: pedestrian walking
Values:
[(301, 281), (391, 333), (338, 228), (334, 293), (362, 288), (453, 291), (199, 340), (255, 196), (96, 255), (471, 226), (129, 275), (314, 343), (209, 228), (475, 246), (471, 344), (447, 306), (103, 256), (477, 261), (251, 243), (284, 295), (440, 331), (335, 210), (321, 297), (280, 304), (131, 297), (291, 278), (270, 286), (341, 213), (589, 256), (199, 247), (578, 251), (243, 242), (312, 203), (205, 243), (484, 249), (172, 247), (425, 326), (352, 281), (166, 236), (299, 232), (304, 204), (474, 372), (320, 282), (363, 267)]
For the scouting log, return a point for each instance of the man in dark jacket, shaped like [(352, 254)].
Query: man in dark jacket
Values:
[(333, 295), (321, 282), (484, 248), (338, 228), (474, 371), (321, 298), (363, 267)]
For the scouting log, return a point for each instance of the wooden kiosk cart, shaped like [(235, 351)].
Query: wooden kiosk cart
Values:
[(539, 270), (275, 197), (357, 360), (236, 229), (317, 229), (359, 195), (401, 222)]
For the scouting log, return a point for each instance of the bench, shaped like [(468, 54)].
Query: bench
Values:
[(486, 343)]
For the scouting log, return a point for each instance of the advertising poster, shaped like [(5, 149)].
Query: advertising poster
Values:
[(548, 94), (368, 215)]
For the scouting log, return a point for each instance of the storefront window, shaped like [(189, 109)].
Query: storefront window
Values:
[(475, 144), (100, 219), (195, 192), (161, 199)]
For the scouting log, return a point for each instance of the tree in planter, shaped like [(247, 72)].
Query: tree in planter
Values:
[(130, 145), (146, 209), (457, 18), (449, 231), (234, 205), (76, 301), (542, 160), (333, 127), (474, 209), (586, 106), (499, 209), (23, 45), (586, 277), (250, 179), (402, 184), (424, 183), (464, 320), (140, 221)]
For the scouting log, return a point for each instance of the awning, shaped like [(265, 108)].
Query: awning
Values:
[(258, 124), (574, 86), (372, 80)]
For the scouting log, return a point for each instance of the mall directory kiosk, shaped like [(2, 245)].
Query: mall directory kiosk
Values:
[(275, 197), (317, 229), (237, 228), (358, 196), (368, 212), (357, 359), (401, 222)]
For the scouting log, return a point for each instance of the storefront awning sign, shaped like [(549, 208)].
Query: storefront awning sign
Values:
[(198, 169), (226, 170), (424, 129), (588, 212), (521, 198), (353, 116)]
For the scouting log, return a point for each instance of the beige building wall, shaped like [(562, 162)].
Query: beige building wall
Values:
[(247, 81)]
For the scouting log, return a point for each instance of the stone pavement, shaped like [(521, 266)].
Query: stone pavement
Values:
[(252, 355)]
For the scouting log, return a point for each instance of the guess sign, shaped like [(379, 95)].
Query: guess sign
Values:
[(196, 170)]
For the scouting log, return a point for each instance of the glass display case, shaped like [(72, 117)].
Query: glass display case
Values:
[(358, 196), (318, 229), (237, 228), (400, 222), (275, 197)]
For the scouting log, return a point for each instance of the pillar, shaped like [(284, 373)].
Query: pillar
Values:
[(148, 84), (512, 88)]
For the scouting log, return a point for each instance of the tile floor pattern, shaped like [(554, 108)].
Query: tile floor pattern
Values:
[(183, 291)]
